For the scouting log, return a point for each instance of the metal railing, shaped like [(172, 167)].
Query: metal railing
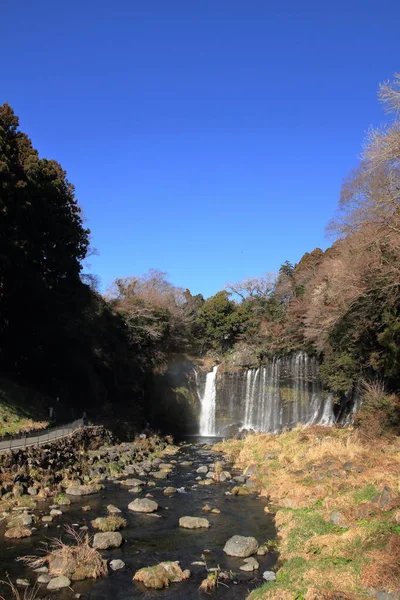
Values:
[(36, 438)]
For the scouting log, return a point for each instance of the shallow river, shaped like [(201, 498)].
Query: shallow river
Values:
[(149, 540)]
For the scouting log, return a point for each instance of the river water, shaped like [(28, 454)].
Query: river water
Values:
[(150, 540)]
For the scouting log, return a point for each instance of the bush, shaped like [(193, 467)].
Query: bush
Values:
[(379, 413)]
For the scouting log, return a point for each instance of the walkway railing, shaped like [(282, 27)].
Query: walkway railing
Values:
[(40, 437)]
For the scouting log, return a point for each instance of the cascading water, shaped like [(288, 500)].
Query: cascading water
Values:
[(207, 402), (284, 392)]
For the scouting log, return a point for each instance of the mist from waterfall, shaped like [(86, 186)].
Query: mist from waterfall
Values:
[(207, 403), (283, 393)]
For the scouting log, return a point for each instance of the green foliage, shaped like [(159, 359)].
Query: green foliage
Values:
[(221, 320)]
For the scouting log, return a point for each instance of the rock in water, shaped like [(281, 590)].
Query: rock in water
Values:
[(58, 583), (117, 564), (82, 490), (250, 564), (17, 533), (103, 541), (113, 510), (143, 505), (161, 575), (194, 522), (241, 546)]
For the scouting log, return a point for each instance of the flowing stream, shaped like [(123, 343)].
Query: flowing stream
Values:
[(149, 540)]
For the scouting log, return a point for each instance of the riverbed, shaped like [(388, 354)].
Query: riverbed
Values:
[(149, 540)]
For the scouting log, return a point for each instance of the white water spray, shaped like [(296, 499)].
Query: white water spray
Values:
[(208, 405)]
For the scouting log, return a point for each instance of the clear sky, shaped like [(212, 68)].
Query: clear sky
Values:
[(205, 138)]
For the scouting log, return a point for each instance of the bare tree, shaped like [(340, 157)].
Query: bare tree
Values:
[(254, 287)]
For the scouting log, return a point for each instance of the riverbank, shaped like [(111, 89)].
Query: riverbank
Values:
[(336, 504)]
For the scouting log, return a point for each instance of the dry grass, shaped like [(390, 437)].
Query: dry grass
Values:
[(110, 523), (28, 593), (307, 473), (76, 561)]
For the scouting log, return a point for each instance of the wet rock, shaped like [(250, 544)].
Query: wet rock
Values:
[(161, 575), (206, 508), (117, 564), (262, 550), (250, 564), (106, 540), (169, 491), (16, 533), (44, 578), (238, 490), (160, 474), (135, 490), (47, 519), (20, 521), (41, 570), (241, 546), (186, 463), (113, 510), (55, 513), (86, 508), (58, 583), (216, 511), (206, 482), (22, 582), (143, 505), (269, 576), (194, 522), (202, 470), (82, 490), (132, 482)]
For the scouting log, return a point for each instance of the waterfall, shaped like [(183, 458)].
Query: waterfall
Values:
[(207, 402), (284, 392)]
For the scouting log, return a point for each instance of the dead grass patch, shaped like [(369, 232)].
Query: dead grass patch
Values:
[(76, 561)]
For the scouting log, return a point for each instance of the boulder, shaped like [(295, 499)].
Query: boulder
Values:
[(58, 583), (109, 539), (194, 522), (143, 505), (241, 546), (161, 575), (82, 490)]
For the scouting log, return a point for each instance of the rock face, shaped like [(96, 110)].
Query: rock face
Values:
[(58, 583), (144, 505), (241, 546), (161, 575), (194, 522), (82, 490), (103, 541)]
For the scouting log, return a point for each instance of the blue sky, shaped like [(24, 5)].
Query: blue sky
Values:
[(206, 138)]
